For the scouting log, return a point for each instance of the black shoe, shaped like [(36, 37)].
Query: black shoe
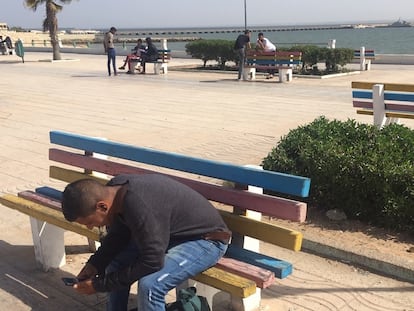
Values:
[(129, 72), (142, 73), (122, 67)]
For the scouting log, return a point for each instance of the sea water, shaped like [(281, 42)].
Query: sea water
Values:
[(383, 40)]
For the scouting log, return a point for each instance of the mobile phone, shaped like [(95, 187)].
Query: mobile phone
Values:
[(70, 281)]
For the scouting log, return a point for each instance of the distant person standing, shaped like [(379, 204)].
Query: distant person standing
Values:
[(110, 50), (242, 41)]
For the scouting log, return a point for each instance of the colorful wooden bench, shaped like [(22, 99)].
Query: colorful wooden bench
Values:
[(243, 271), (365, 57), (160, 65), (387, 102), (283, 61)]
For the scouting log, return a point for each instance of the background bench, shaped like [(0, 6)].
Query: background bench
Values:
[(387, 102), (282, 61), (365, 57), (160, 65), (243, 271)]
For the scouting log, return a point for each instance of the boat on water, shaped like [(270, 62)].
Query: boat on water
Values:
[(400, 23)]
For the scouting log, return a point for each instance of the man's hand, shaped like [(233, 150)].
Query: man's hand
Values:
[(85, 287), (87, 272)]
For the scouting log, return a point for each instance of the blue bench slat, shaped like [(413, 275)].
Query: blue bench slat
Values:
[(387, 96), (405, 97), (280, 268), (50, 192), (362, 94), (289, 184)]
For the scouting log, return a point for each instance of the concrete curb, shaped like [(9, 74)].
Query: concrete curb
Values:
[(378, 266)]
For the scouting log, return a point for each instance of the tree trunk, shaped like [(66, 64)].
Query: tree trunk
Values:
[(53, 29)]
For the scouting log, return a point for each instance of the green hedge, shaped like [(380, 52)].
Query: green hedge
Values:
[(222, 52), (366, 172), (334, 59), (208, 50)]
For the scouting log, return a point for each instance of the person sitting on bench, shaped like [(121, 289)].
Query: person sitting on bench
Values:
[(149, 55), (160, 233), (135, 55), (265, 45)]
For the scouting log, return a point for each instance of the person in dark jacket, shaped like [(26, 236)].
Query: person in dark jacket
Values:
[(160, 233), (149, 55), (242, 42)]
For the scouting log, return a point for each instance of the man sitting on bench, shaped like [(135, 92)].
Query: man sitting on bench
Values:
[(265, 45), (160, 232), (149, 55), (135, 55)]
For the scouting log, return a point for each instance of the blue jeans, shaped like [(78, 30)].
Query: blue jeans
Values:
[(111, 58), (242, 59), (181, 263)]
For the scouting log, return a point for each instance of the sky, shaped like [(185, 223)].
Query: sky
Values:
[(101, 14)]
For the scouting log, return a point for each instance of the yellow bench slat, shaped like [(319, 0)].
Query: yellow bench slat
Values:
[(388, 114), (69, 176), (266, 232), (226, 281), (47, 214), (398, 87)]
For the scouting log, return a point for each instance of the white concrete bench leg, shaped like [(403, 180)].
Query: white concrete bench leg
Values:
[(249, 74), (378, 105), (160, 68), (49, 246), (215, 296), (251, 303), (367, 64), (285, 75)]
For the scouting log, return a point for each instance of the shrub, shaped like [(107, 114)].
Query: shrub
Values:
[(366, 172), (207, 50), (334, 59)]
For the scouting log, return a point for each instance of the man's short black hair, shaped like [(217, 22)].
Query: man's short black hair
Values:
[(260, 34), (247, 31), (80, 197)]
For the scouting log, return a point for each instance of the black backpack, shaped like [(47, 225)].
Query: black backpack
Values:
[(188, 300)]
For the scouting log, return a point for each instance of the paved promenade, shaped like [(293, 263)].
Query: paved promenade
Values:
[(210, 115)]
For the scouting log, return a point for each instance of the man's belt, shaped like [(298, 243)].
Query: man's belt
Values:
[(222, 236)]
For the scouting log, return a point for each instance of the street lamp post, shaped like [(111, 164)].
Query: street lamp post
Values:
[(245, 16)]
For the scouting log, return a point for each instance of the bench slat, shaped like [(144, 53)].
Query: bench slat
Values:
[(388, 114), (280, 182), (281, 268), (41, 199), (227, 281), (262, 277), (362, 94), (48, 215), (268, 205), (403, 97), (266, 232), (362, 104), (398, 87)]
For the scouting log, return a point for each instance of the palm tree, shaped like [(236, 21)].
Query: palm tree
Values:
[(50, 23)]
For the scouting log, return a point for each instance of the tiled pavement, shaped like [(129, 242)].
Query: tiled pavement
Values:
[(201, 114)]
